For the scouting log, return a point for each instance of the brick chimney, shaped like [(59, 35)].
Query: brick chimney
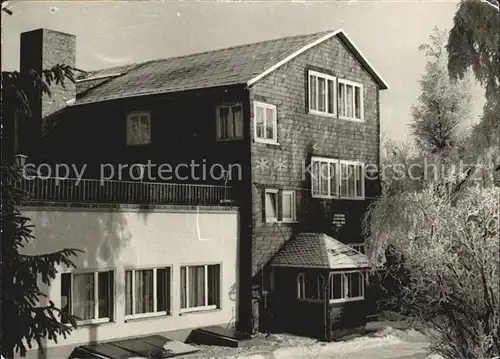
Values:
[(42, 49)]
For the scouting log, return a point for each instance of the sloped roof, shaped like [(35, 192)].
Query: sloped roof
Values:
[(317, 250), (243, 64)]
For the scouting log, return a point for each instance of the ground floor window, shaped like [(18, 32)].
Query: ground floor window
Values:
[(200, 287), (310, 286), (88, 296), (347, 286), (147, 292)]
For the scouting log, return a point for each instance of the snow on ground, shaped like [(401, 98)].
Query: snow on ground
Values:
[(384, 343)]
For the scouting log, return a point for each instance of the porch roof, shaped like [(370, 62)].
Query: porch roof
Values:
[(317, 250)]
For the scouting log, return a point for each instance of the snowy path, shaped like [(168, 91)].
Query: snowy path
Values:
[(407, 346), (388, 347), (386, 343)]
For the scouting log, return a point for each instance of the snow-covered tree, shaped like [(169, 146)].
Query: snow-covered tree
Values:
[(474, 44), (437, 231), (443, 104)]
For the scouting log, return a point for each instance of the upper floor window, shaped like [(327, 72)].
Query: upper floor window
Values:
[(351, 180), (321, 93), (138, 128), (271, 205), (333, 178), (332, 96), (266, 124), (229, 122), (350, 100), (288, 206), (88, 296), (280, 205)]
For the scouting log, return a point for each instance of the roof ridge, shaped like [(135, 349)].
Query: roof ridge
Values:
[(322, 247), (245, 44), (209, 51)]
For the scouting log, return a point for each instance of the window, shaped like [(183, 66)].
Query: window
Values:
[(280, 205), (360, 247), (310, 286), (324, 177), (288, 206), (321, 94), (229, 122), (352, 180), (265, 124), (138, 129), (271, 205), (200, 287), (350, 100), (88, 296), (147, 292), (346, 287), (332, 178)]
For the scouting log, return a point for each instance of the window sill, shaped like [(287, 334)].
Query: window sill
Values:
[(282, 222), (331, 301), (91, 322), (353, 198), (138, 144), (229, 139), (338, 197), (266, 141), (147, 316), (337, 301), (345, 118), (199, 310), (305, 300), (322, 114)]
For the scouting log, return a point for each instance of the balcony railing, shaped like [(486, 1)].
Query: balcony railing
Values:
[(123, 192)]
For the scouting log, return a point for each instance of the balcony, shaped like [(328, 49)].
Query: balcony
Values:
[(54, 190)]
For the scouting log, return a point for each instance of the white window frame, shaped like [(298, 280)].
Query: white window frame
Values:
[(356, 196), (264, 106), (154, 313), (96, 320), (361, 109), (219, 119), (325, 160), (279, 206), (338, 164), (205, 273), (268, 218), (345, 286), (326, 78), (301, 287), (129, 118), (293, 202), (357, 247)]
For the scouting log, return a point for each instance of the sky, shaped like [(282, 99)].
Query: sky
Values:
[(110, 33)]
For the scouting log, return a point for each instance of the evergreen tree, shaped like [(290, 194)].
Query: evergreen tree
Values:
[(24, 319)]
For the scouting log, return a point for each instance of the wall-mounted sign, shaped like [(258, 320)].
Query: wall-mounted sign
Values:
[(339, 219)]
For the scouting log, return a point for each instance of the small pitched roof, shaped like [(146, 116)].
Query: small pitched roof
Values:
[(317, 250), (243, 64)]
